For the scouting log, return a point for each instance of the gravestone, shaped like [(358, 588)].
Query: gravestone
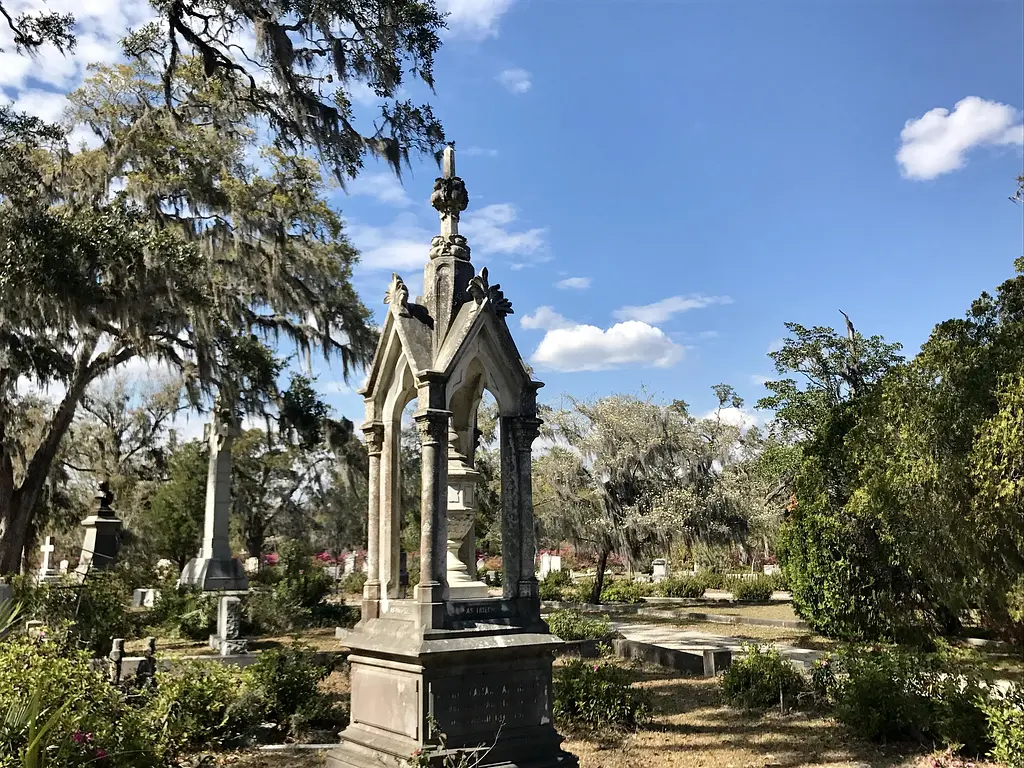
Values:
[(35, 628), (145, 598), (229, 624), (659, 569), (102, 541), (46, 573), (350, 563), (252, 564), (63, 568), (476, 669), (771, 570), (216, 568), (549, 563)]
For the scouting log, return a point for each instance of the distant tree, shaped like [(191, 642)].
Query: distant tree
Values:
[(173, 526)]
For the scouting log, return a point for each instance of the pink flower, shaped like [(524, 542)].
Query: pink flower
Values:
[(595, 667), (101, 753)]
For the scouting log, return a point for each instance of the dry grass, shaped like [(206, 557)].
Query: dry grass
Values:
[(771, 611), (322, 639)]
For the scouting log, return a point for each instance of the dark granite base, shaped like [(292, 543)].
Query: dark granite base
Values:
[(212, 575)]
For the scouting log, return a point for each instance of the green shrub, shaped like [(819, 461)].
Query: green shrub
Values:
[(579, 592), (598, 696), (186, 611), (270, 612), (197, 705), (624, 591), (353, 583), (573, 625), (87, 616), (711, 579), (306, 587), (1005, 714), (762, 678), (885, 694), (86, 717), (555, 586), (284, 688), (681, 586), (756, 590), (266, 576)]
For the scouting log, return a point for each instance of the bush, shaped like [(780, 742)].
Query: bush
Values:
[(353, 583), (887, 694), (573, 625), (306, 588), (197, 705), (711, 579), (555, 585), (283, 686), (756, 590), (681, 586), (763, 678), (186, 611), (87, 616), (1005, 714), (624, 591), (270, 612), (88, 719), (598, 695)]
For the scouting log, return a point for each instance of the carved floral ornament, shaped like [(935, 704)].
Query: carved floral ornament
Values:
[(397, 294), (480, 289), (449, 245), (449, 197)]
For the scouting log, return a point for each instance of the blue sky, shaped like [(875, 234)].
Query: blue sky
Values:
[(701, 172)]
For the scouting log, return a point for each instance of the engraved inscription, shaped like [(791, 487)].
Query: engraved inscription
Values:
[(482, 704), (489, 609)]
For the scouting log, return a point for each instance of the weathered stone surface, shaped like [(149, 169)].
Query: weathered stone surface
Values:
[(102, 541), (216, 569), (478, 667)]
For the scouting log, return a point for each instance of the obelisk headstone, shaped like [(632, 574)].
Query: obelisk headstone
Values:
[(102, 539), (215, 569)]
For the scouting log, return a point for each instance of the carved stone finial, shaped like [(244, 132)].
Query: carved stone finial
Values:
[(449, 245), (397, 295), (480, 290), (449, 197)]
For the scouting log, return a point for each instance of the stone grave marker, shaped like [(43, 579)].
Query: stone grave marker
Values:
[(659, 568), (229, 623), (350, 563), (102, 541), (63, 567)]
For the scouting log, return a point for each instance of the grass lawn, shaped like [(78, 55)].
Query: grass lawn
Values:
[(777, 610), (321, 639), (693, 728)]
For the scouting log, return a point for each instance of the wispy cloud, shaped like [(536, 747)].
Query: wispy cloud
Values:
[(402, 244), (474, 19), (660, 311), (479, 152), (574, 283), (384, 186), (489, 231), (545, 319), (515, 80), (938, 142)]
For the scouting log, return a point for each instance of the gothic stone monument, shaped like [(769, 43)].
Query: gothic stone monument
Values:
[(450, 660), (215, 569)]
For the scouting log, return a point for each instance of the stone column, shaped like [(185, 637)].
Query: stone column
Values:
[(525, 430), (511, 537), (433, 586), (374, 433)]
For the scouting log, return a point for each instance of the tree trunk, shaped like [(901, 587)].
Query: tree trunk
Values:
[(602, 562), (255, 538), (16, 518)]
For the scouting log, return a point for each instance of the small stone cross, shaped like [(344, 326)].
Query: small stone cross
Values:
[(46, 549)]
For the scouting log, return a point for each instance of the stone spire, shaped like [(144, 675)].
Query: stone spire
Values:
[(450, 199), (448, 272)]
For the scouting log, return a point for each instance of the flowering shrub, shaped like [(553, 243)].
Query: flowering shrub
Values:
[(598, 696)]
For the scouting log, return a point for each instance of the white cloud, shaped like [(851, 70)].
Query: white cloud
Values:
[(336, 388), (402, 244), (938, 141), (488, 231), (515, 80), (759, 380), (479, 152), (100, 24), (577, 283), (736, 417), (660, 311), (384, 186), (46, 105), (775, 346), (474, 19), (588, 348), (546, 319)]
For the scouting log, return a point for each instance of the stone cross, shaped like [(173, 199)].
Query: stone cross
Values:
[(46, 549)]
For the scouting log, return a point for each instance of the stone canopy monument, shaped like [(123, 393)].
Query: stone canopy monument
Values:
[(450, 667), (216, 569)]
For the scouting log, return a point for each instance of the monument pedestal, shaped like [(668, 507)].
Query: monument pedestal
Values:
[(481, 685), (215, 574)]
